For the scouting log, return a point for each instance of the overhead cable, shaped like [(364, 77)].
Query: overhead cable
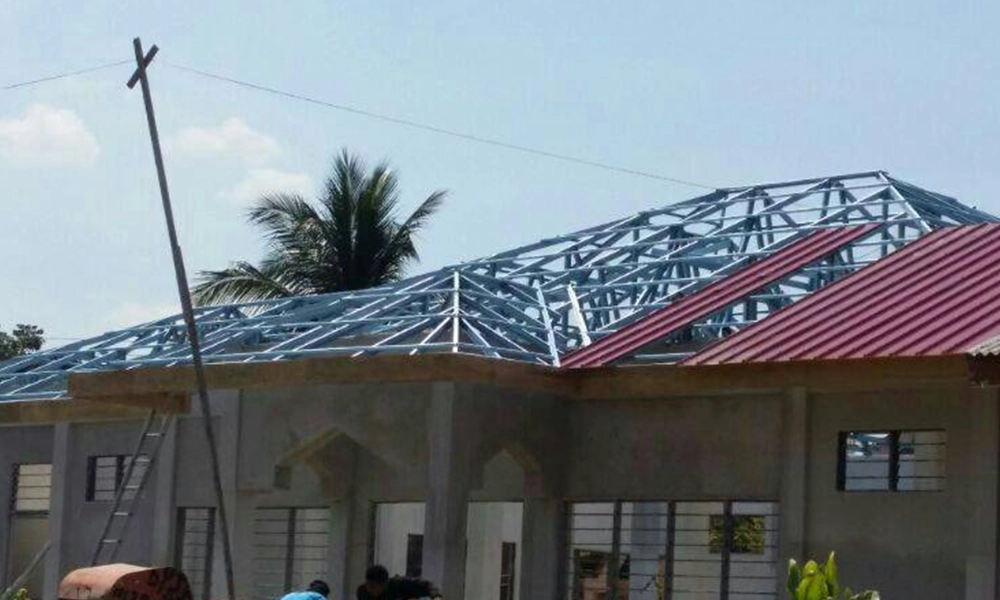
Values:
[(435, 129), (31, 82)]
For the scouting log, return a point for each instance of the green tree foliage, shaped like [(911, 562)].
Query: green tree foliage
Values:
[(748, 534), (24, 339), (350, 239), (821, 582)]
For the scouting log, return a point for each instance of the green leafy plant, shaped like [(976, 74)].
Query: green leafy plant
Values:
[(821, 582), (748, 534)]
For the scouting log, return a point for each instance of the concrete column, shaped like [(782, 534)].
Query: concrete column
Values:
[(341, 513), (60, 508), (7, 523), (227, 407), (164, 511), (480, 557), (541, 548), (448, 494), (242, 518), (982, 441), (793, 534)]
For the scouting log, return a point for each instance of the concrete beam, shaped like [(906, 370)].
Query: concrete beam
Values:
[(660, 381), (57, 411), (365, 369)]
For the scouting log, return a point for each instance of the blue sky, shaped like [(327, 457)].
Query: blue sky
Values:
[(718, 92)]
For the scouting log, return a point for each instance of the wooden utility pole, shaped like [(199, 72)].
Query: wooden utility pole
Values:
[(142, 61)]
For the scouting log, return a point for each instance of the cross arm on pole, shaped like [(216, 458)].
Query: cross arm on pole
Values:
[(142, 61)]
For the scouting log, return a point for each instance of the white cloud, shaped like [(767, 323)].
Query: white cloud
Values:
[(233, 138), (46, 136), (266, 181), (130, 314)]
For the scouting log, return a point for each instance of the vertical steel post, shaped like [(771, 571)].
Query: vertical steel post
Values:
[(668, 555), (728, 524), (142, 61)]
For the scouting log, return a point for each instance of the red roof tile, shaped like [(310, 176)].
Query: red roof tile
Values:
[(939, 295), (714, 297)]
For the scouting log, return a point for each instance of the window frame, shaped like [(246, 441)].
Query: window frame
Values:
[(508, 570), (414, 555), (208, 561), (16, 485), (892, 477), (120, 467), (291, 557), (571, 587)]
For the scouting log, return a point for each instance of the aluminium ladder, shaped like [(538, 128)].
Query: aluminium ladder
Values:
[(128, 493)]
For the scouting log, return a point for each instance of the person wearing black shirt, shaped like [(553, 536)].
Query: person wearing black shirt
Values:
[(378, 586)]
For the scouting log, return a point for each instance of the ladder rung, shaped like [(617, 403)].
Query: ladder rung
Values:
[(147, 447)]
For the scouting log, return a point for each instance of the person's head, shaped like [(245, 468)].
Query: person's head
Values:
[(320, 587), (376, 580)]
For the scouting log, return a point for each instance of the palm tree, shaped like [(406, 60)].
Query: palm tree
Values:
[(350, 241)]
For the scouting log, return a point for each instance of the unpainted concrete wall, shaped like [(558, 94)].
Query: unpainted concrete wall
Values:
[(908, 544), (546, 450), (674, 448)]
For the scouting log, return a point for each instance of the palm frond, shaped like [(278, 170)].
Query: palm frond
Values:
[(350, 240), (341, 202), (402, 242), (400, 249), (375, 226), (241, 282)]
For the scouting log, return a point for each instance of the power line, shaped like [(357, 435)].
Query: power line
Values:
[(109, 65), (436, 129), (378, 116)]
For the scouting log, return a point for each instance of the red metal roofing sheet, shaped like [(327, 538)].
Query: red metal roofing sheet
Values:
[(714, 297), (939, 295)]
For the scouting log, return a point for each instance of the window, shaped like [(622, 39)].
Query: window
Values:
[(194, 547), (106, 473), (675, 550), (291, 548), (31, 488), (892, 461), (508, 567), (414, 555)]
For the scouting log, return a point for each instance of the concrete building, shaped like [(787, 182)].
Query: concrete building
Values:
[(643, 410)]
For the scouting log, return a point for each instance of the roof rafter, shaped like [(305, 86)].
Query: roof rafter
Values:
[(542, 300)]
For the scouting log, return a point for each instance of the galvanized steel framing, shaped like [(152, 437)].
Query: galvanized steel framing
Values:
[(536, 302)]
